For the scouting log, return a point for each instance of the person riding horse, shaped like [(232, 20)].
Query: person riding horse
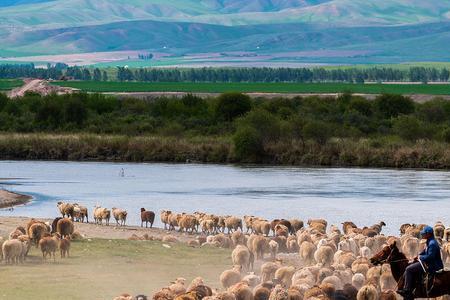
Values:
[(429, 261)]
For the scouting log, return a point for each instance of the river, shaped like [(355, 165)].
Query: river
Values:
[(365, 196)]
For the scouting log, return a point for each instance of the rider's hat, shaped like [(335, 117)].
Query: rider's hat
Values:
[(427, 230)]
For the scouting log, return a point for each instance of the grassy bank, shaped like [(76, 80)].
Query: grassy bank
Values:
[(315, 88), (6, 84), (388, 152), (103, 269)]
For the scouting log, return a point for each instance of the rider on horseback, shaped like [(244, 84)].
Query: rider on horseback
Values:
[(430, 258)]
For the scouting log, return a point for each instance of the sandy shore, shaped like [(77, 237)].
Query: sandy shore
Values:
[(8, 224), (10, 199)]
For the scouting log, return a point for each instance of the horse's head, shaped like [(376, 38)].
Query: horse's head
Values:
[(385, 255)]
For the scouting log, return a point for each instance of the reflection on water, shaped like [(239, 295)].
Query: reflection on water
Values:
[(365, 196)]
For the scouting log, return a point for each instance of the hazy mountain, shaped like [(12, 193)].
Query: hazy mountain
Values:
[(370, 26)]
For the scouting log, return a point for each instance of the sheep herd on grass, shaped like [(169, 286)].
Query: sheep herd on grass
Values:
[(289, 260), (49, 238)]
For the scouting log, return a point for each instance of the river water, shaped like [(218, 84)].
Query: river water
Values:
[(365, 196)]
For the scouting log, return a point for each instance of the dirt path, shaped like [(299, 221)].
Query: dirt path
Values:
[(39, 86)]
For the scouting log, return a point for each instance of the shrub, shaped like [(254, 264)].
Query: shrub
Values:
[(232, 105), (248, 144), (391, 106), (408, 128), (318, 131)]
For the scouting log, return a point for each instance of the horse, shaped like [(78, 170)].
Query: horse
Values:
[(391, 254)]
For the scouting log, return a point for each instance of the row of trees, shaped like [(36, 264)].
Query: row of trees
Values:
[(354, 75)]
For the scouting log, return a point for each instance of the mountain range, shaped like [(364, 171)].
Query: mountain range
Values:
[(369, 30)]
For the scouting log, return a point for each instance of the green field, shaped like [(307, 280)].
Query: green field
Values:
[(6, 85), (90, 86)]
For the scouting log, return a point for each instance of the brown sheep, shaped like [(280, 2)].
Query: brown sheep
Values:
[(164, 216), (233, 224), (296, 225), (54, 223), (64, 247), (164, 294), (65, 227), (37, 231), (120, 216), (241, 257), (261, 227), (100, 214), (80, 212), (241, 291), (307, 250), (283, 222), (258, 246), (66, 209), (261, 293), (230, 277), (49, 245), (147, 216), (187, 222), (368, 292), (284, 276)]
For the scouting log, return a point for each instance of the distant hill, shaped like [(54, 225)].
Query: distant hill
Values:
[(390, 29)]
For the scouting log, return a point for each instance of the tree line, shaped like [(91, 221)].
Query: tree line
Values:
[(351, 75)]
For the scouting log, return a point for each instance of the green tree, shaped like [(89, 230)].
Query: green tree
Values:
[(232, 105)]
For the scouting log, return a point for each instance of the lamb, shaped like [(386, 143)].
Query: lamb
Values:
[(66, 209), (292, 245), (49, 245), (367, 292), (273, 247), (120, 215), (100, 214), (230, 277), (12, 251), (241, 257), (64, 247), (80, 212), (147, 216), (65, 227)]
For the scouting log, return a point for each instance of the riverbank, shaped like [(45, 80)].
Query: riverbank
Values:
[(10, 199), (337, 152)]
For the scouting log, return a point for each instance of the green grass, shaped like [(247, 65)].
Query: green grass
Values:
[(103, 269), (6, 85), (90, 86)]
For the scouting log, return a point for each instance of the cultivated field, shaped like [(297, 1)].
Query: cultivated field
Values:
[(6, 85), (316, 88)]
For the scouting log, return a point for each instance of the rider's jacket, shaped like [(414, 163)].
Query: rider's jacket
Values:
[(432, 256)]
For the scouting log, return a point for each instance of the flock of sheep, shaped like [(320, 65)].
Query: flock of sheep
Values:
[(294, 261), (48, 237), (271, 260)]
